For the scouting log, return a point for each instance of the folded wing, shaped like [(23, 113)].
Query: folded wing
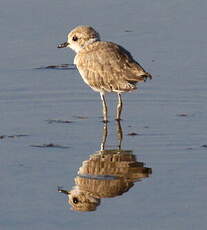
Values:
[(106, 66)]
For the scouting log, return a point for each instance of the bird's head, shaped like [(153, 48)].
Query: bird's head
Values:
[(80, 37)]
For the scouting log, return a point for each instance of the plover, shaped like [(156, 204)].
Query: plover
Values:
[(104, 66)]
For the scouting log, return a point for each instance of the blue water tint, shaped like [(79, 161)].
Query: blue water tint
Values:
[(169, 114)]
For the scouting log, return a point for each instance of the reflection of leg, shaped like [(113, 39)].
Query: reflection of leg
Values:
[(104, 108), (119, 107), (119, 133), (104, 137)]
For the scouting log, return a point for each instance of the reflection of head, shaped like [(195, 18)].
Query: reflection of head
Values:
[(81, 200)]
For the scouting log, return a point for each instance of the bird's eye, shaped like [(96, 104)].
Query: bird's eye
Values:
[(75, 38), (75, 200)]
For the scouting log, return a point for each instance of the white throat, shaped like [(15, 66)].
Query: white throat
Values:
[(77, 47), (92, 40)]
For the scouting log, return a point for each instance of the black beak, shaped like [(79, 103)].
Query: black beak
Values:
[(63, 191), (63, 45)]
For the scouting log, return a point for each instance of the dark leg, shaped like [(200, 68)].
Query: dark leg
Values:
[(119, 133)]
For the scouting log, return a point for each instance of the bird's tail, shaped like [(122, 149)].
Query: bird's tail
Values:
[(146, 76)]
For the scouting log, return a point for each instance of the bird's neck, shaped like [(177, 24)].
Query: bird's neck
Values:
[(90, 41), (86, 44)]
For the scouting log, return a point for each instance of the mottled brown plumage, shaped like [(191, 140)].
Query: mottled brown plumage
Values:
[(107, 67), (104, 66)]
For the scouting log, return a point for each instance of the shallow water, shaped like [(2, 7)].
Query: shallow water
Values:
[(51, 121)]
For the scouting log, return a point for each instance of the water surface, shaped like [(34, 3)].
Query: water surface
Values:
[(51, 121)]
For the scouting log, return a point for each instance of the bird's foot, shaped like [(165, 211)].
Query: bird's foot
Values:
[(118, 119)]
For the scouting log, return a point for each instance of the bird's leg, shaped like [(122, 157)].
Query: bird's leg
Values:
[(119, 107), (104, 136), (105, 110), (119, 133)]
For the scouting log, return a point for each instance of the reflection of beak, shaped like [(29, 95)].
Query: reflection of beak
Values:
[(63, 45), (64, 191)]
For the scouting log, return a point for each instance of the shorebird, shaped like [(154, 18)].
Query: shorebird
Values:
[(104, 66)]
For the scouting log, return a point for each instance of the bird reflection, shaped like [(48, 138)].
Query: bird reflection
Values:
[(107, 173)]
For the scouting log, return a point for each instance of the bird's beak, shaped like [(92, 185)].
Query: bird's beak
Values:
[(64, 191), (63, 45)]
